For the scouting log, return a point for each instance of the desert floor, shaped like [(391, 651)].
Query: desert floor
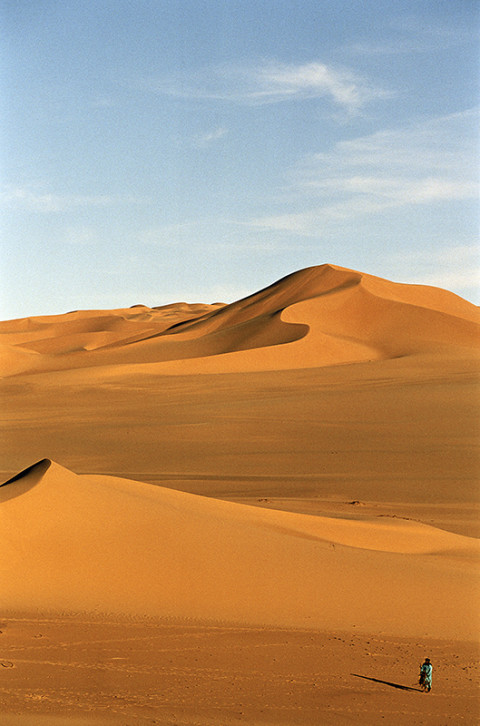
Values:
[(221, 536), (92, 672)]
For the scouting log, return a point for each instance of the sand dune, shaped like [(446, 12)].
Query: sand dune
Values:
[(319, 316), (333, 534), (88, 330), (105, 544)]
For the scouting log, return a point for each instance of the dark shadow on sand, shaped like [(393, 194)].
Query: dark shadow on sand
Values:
[(25, 480), (388, 683)]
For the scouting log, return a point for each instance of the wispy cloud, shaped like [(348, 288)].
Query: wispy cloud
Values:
[(211, 234), (465, 280), (411, 34), (81, 236), (167, 235), (104, 102), (272, 82), (204, 140), (452, 267), (279, 82), (28, 199), (431, 161)]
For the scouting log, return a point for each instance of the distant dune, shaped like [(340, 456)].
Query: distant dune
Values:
[(96, 391), (319, 316), (109, 545), (262, 512)]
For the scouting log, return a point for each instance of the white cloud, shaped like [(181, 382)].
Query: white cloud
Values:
[(410, 34), (457, 279), (104, 102), (168, 235), (31, 200), (301, 223), (445, 142), (431, 161), (272, 82), (204, 140), (452, 267), (467, 253), (212, 235), (277, 82), (81, 236)]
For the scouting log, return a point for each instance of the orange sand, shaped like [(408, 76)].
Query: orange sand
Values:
[(342, 406)]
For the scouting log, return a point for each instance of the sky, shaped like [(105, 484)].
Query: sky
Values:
[(159, 151)]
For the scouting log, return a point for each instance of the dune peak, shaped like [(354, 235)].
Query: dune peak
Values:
[(39, 468), (25, 480), (81, 542), (317, 316)]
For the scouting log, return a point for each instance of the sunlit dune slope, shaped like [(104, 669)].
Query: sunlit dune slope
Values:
[(103, 544), (55, 336), (318, 316)]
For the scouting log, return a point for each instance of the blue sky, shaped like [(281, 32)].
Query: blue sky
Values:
[(199, 150)]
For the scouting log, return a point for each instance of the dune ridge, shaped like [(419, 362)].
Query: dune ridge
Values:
[(105, 544), (308, 530), (323, 315)]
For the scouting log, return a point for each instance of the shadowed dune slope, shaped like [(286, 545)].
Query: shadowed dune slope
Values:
[(104, 544), (319, 316)]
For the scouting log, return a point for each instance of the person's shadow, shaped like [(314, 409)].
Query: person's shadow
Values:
[(388, 683)]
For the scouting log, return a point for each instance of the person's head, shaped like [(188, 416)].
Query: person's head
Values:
[(427, 660)]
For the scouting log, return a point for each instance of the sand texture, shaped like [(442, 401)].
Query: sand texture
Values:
[(265, 512), (318, 316)]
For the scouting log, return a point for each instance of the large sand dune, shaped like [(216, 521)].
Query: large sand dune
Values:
[(318, 316), (329, 424), (90, 543)]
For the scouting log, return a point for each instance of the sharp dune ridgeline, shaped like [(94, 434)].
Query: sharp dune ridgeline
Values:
[(292, 477), (117, 546), (319, 316)]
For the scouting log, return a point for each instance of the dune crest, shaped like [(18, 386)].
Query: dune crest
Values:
[(99, 543), (325, 315)]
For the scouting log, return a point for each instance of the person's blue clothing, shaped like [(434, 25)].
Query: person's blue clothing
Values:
[(427, 669)]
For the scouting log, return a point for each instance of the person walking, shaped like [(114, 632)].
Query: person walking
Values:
[(426, 670)]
